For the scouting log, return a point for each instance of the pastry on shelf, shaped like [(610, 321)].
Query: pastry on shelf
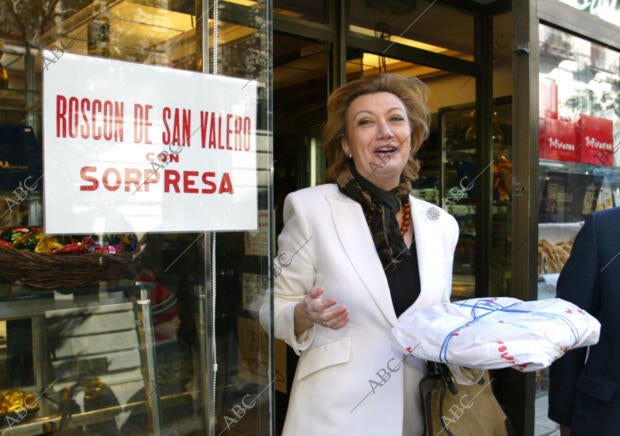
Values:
[(552, 257)]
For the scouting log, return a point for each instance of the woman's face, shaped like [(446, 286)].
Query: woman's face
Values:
[(378, 138)]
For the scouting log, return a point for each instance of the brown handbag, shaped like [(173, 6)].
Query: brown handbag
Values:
[(452, 409)]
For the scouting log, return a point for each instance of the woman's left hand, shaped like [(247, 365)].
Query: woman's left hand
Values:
[(316, 309)]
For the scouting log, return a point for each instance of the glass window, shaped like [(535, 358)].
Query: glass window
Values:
[(579, 130), (117, 315)]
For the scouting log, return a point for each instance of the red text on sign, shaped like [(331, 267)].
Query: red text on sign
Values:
[(225, 131), (141, 123), (89, 119), (162, 157), (113, 178), (185, 181), (140, 180), (177, 126)]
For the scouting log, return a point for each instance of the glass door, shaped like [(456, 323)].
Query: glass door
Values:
[(463, 169)]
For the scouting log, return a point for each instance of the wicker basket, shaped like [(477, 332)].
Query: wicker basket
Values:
[(62, 271)]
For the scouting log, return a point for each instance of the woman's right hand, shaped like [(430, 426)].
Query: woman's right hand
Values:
[(316, 309)]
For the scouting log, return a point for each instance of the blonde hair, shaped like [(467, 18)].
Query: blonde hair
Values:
[(410, 90)]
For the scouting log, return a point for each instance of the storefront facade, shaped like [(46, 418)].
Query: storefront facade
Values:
[(202, 203), (156, 114), (570, 47)]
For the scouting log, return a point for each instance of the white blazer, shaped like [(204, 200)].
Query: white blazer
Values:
[(353, 381)]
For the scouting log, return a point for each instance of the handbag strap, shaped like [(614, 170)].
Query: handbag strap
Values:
[(442, 370)]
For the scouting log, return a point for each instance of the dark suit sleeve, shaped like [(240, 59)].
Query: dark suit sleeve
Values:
[(577, 283)]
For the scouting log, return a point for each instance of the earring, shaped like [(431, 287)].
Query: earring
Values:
[(349, 155)]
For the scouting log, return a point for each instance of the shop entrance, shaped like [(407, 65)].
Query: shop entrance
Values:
[(301, 88), (458, 170)]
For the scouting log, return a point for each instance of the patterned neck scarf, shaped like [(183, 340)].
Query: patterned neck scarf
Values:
[(380, 208)]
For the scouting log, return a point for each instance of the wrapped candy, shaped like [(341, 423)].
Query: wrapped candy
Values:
[(26, 240), (11, 234), (33, 239), (107, 249), (121, 243), (72, 248), (15, 401), (47, 244)]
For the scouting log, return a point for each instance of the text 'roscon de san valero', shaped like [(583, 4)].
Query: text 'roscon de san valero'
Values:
[(130, 147)]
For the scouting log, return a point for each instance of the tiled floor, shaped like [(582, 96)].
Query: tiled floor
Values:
[(543, 426)]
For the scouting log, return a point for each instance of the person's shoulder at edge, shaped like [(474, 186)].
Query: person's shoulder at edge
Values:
[(611, 213), (602, 219)]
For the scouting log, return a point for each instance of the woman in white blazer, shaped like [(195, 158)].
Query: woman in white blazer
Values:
[(352, 256)]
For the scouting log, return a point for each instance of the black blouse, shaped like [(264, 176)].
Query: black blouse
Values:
[(404, 281)]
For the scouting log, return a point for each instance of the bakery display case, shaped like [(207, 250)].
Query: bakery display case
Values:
[(77, 360), (20, 94), (579, 140), (94, 335)]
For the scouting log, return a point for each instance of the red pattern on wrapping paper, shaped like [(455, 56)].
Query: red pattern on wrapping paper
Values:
[(504, 354)]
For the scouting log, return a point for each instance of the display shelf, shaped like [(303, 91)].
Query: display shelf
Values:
[(463, 286), (8, 91), (546, 165), (22, 100), (48, 417), (460, 153), (15, 309), (91, 295), (576, 190), (21, 97), (596, 187), (558, 232), (103, 334)]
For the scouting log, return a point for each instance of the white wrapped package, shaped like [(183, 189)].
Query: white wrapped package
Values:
[(496, 332)]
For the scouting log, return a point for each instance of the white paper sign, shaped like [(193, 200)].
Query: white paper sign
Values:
[(139, 148)]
